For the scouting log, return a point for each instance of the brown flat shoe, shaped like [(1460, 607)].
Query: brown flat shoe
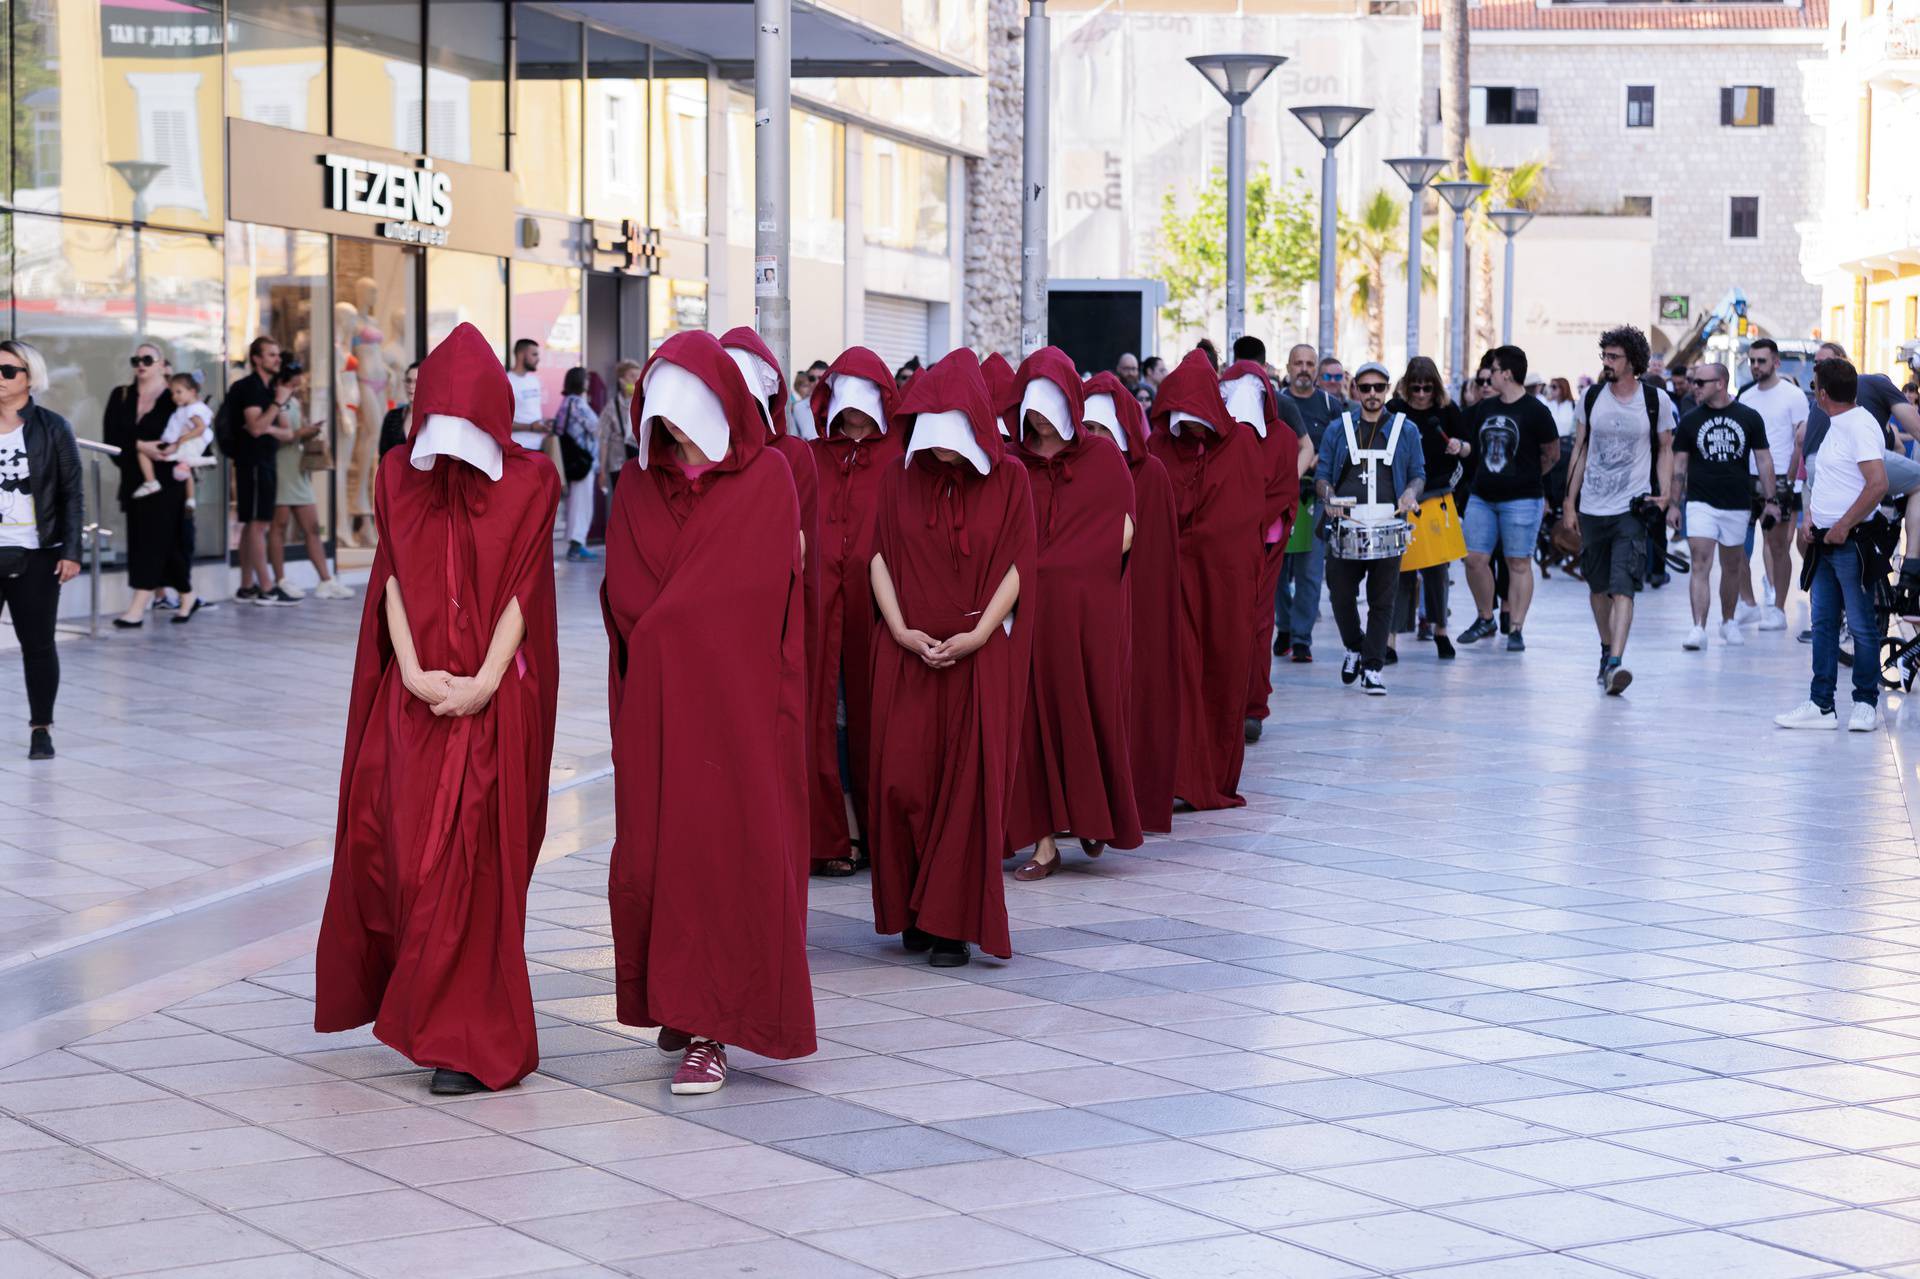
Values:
[(1034, 871), (1092, 847)]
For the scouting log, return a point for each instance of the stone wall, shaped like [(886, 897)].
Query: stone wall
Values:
[(993, 193), (1687, 162)]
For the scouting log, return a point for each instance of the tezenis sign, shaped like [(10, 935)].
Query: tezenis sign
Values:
[(418, 199)]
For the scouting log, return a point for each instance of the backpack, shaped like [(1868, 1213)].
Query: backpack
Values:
[(1651, 398), (575, 461), (223, 428)]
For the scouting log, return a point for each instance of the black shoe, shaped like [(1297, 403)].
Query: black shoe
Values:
[(1481, 629), (1253, 730), (1371, 684), (1617, 678), (1302, 651), (1424, 632), (1443, 648), (1282, 642), (454, 1083), (122, 624), (42, 747), (1506, 621), (182, 619), (165, 602), (277, 598), (1516, 644), (247, 594), (1350, 667), (1392, 658), (914, 941), (1658, 580), (950, 954)]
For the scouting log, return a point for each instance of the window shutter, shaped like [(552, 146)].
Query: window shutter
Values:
[(1766, 106), (1726, 106)]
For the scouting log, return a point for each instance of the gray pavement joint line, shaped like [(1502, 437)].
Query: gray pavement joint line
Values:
[(1906, 768)]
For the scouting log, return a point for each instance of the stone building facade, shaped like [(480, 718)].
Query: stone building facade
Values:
[(1695, 116), (993, 192)]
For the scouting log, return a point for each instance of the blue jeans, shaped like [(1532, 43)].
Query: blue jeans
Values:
[(1296, 605), (1514, 526), (1836, 583)]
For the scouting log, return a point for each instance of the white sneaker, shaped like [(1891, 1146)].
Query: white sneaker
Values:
[(290, 590), (1744, 612), (1775, 619), (1807, 715), (1863, 720), (148, 489), (1696, 639), (1730, 632), (333, 589)]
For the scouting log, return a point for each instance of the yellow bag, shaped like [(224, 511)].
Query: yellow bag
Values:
[(1437, 535)]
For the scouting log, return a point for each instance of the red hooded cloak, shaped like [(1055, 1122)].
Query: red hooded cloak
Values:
[(441, 817), (1218, 485), (944, 741), (850, 474), (1153, 606), (1279, 458), (1000, 393), (1075, 771), (707, 699)]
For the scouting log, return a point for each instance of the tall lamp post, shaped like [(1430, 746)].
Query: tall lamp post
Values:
[(1459, 197), (1511, 222), (1033, 183), (772, 189), (1330, 125), (139, 175), (1236, 76), (1416, 171)]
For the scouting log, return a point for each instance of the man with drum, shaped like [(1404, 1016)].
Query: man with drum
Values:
[(1369, 479)]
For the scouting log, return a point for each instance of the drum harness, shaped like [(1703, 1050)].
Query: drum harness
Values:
[(1370, 461)]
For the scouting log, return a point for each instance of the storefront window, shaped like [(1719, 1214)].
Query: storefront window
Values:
[(466, 288), (277, 63), (546, 308), (616, 126), (375, 314), (467, 81), (906, 196), (546, 96), (116, 110), (376, 74), (817, 168), (679, 130), (675, 305)]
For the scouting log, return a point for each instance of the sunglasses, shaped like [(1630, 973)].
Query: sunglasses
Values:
[(1422, 386), (142, 361), (8, 372), (1370, 388), (1702, 381), (1332, 377), (1483, 381)]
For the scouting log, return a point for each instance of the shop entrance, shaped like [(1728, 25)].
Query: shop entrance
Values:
[(376, 335), (616, 322)]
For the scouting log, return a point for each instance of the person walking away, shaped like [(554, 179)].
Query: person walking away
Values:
[(1211, 460), (1513, 437), (256, 406), (953, 555), (1713, 449), (1782, 406), (1617, 486), (1297, 607), (42, 510), (705, 611), (1438, 537), (295, 506), (1847, 485), (852, 410), (1075, 769), (136, 418), (450, 723), (1370, 458), (1282, 456), (616, 431), (577, 429), (1153, 601)]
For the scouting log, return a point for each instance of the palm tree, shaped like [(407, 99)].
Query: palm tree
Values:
[(1367, 244), (1453, 80), (1515, 188)]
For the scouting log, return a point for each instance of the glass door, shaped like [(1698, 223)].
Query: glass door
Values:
[(376, 314)]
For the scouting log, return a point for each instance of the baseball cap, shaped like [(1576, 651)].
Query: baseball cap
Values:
[(1372, 366)]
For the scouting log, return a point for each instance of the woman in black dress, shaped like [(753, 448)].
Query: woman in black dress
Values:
[(157, 554)]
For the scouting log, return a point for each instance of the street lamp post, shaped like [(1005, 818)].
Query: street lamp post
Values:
[(1236, 76), (772, 188), (1511, 222), (1329, 125), (1034, 158), (1416, 171), (1459, 197), (139, 175)]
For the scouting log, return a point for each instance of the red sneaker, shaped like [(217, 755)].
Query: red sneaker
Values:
[(703, 1070)]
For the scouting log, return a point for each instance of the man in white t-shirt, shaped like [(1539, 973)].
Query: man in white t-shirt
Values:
[(1783, 407), (1847, 485), (530, 428)]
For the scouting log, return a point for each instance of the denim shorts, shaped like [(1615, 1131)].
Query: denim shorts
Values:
[(1514, 526)]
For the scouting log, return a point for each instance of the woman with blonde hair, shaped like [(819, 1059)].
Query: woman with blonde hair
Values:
[(1437, 537)]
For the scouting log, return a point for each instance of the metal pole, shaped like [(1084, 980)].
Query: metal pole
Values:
[(1506, 308), (1329, 248), (772, 188), (95, 533), (1033, 177), (1414, 246), (1236, 225), (1458, 320), (139, 271)]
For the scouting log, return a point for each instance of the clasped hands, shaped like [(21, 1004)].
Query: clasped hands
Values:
[(450, 695), (940, 654)]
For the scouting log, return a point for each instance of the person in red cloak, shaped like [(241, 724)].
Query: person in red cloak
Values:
[(443, 785), (1218, 485), (953, 552), (1075, 771), (705, 614), (1153, 600), (1252, 401), (853, 406), (1000, 393)]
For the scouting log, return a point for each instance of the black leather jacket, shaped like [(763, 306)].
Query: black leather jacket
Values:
[(53, 477)]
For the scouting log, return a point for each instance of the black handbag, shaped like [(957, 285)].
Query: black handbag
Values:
[(14, 560)]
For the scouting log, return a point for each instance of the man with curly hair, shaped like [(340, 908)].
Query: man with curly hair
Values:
[(1617, 488)]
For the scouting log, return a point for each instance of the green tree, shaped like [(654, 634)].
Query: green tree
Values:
[(1283, 252), (1515, 188)]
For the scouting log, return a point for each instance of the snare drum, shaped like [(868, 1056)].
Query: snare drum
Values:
[(1352, 540)]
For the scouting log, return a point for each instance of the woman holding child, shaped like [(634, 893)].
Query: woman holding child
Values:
[(135, 423)]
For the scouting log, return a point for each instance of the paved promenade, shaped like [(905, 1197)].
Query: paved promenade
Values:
[(1494, 978)]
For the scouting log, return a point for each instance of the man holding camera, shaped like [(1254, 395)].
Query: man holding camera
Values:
[(1622, 449), (1712, 450)]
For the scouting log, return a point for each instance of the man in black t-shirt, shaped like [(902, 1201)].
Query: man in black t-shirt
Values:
[(1517, 442), (258, 428), (1711, 450)]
